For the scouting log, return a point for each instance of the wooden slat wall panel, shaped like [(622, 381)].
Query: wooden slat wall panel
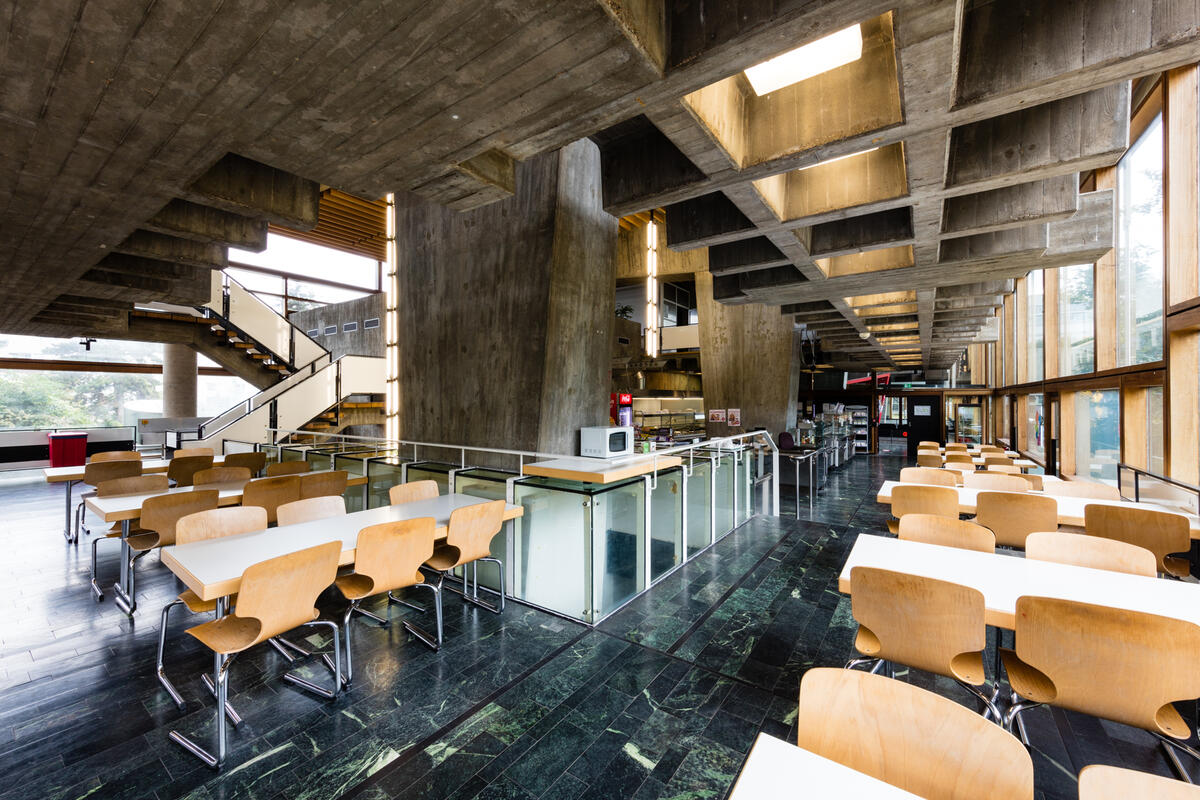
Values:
[(1066, 442), (1105, 291), (347, 223), (1182, 147), (1133, 428)]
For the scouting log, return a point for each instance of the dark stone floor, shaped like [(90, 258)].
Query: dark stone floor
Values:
[(662, 700)]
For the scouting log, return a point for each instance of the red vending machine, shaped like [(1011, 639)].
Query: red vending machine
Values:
[(620, 409)]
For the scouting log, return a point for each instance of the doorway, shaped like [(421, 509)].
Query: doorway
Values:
[(924, 421)]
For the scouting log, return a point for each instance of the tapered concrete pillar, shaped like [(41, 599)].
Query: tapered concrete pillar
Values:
[(179, 381), (505, 312)]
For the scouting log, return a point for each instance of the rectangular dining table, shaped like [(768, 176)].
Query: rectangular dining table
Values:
[(776, 768), (1070, 509), (1002, 578), (73, 475), (128, 507)]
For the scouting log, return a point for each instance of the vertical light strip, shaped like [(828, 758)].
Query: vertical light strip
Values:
[(652, 320), (392, 316)]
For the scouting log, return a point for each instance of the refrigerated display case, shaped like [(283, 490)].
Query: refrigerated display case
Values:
[(968, 424), (860, 425)]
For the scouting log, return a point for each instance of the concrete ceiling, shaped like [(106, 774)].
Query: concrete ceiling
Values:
[(961, 132)]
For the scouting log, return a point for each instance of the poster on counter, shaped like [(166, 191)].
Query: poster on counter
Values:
[(716, 415), (735, 416)]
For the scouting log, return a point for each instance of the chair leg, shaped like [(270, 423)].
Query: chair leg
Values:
[(991, 710), (1169, 746), (230, 713), (473, 597), (162, 643), (96, 590), (348, 674), (877, 663), (360, 610), (286, 648), (304, 683), (221, 664), (393, 599), (430, 641)]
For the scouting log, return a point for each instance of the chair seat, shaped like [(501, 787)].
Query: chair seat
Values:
[(1179, 567), (143, 541), (893, 525), (966, 667), (198, 606), (354, 586), (1025, 680), (229, 634), (444, 557)]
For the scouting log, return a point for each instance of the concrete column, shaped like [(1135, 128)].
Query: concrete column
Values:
[(505, 311), (179, 381)]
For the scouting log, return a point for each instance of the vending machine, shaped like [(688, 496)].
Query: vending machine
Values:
[(620, 409)]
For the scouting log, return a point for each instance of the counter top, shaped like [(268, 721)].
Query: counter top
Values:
[(601, 470)]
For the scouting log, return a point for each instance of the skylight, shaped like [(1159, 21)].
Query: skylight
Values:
[(826, 53)]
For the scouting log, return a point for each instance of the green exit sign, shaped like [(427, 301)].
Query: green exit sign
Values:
[(908, 386)]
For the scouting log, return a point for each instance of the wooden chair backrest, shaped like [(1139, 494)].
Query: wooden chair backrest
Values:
[(287, 468), (281, 593), (1089, 489), (932, 461), (416, 490), (956, 446), (959, 458), (1000, 460), (116, 455), (136, 484), (1007, 467), (162, 512), (310, 509), (271, 493), (922, 622), (390, 554), (1120, 665), (1090, 551), (929, 476), (251, 461), (916, 498), (961, 466), (218, 522), (97, 472), (1035, 481), (323, 484), (188, 452), (932, 529), (867, 722), (1160, 532), (1012, 516), (1102, 782), (996, 481), (990, 448), (183, 469), (472, 528), (220, 475), (928, 443)]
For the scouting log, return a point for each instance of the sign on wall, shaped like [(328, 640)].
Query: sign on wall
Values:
[(735, 416), (716, 415), (922, 411)]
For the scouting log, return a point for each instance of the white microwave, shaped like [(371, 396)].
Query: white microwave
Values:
[(605, 442)]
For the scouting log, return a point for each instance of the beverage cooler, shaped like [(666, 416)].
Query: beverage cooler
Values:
[(620, 409)]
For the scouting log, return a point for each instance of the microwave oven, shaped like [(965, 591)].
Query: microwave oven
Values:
[(605, 442)]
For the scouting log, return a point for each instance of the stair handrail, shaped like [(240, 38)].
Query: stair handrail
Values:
[(219, 308)]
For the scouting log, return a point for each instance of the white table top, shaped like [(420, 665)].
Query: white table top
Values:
[(214, 568), (1070, 509), (974, 450), (149, 466), (776, 768), (1003, 578)]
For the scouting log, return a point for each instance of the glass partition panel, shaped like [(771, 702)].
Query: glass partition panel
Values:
[(698, 496), (724, 494), (1154, 430), (744, 476), (382, 475), (618, 544), (431, 471), (296, 452), (481, 482), (552, 548), (1098, 434), (1035, 422), (1035, 294), (1076, 352), (666, 523)]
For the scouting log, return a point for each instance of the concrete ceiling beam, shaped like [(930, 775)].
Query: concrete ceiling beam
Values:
[(856, 234), (1046, 200), (243, 186), (210, 225), (748, 254), (172, 249)]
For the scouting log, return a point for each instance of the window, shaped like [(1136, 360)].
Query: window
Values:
[(311, 261), (1154, 430), (1140, 249), (1035, 425), (1098, 434), (1035, 293), (1076, 352)]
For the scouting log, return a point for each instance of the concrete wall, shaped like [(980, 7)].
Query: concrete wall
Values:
[(506, 311), (749, 357), (361, 342)]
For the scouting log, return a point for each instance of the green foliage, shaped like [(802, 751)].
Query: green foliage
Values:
[(30, 399), (624, 312)]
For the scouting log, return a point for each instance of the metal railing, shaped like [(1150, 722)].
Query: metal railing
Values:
[(818, 459), (1137, 484)]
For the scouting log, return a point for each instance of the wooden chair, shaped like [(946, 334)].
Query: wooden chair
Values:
[(221, 475), (311, 509), (995, 482), (1090, 551), (182, 469), (998, 461), (116, 455), (1101, 782), (98, 472), (1160, 532), (1007, 468), (276, 596), (990, 448), (1088, 489), (198, 527), (187, 452), (388, 557), (287, 468), (1012, 516), (159, 515), (1035, 481), (959, 458), (947, 532), (137, 484), (869, 723), (271, 493), (416, 490), (927, 443), (915, 498), (929, 476), (323, 484), (961, 446), (468, 541), (931, 461), (932, 625), (1115, 664), (961, 466), (251, 461)]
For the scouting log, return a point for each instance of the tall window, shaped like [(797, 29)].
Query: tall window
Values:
[(1098, 434), (1154, 430), (1140, 249), (1076, 352), (1035, 294), (1035, 425)]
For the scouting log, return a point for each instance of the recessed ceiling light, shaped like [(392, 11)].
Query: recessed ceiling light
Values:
[(826, 53), (839, 158)]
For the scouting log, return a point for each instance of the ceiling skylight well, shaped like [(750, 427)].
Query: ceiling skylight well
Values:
[(829, 52)]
